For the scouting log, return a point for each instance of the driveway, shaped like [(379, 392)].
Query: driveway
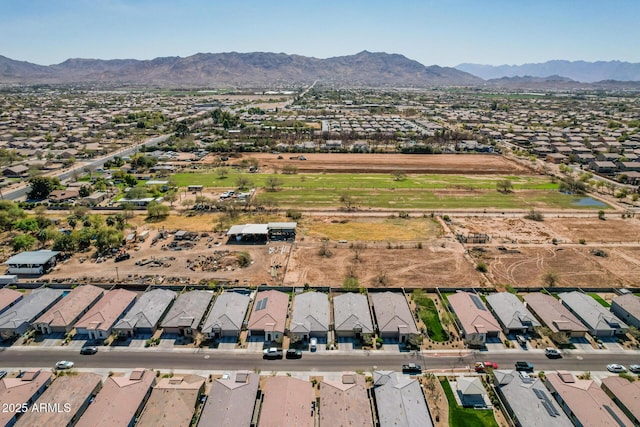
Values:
[(49, 340), (345, 343), (227, 343), (256, 343)]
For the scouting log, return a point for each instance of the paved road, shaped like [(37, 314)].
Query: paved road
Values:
[(329, 361)]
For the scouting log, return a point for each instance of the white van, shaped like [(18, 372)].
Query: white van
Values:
[(313, 344)]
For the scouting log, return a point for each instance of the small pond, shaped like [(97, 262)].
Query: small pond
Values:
[(589, 202)]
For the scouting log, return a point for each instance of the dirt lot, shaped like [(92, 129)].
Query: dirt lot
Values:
[(504, 230), (392, 252), (188, 265), (429, 267), (387, 163), (612, 230), (565, 230), (575, 267)]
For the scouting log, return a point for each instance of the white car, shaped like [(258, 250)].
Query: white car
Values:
[(615, 368), (64, 364), (313, 344), (635, 369), (551, 352)]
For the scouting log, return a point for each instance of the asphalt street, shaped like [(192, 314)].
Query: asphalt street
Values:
[(326, 361), (92, 165)]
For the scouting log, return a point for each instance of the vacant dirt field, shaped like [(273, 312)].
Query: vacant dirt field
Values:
[(386, 163), (565, 230), (369, 229), (574, 266), (612, 230), (391, 252), (429, 267), (504, 230)]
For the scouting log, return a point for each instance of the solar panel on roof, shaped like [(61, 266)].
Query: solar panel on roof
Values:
[(546, 400), (478, 302), (550, 409), (539, 393), (260, 305)]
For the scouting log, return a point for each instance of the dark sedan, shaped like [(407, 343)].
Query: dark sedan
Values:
[(294, 354), (89, 350)]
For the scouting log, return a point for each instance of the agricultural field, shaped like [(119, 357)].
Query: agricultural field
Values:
[(476, 164), (373, 181)]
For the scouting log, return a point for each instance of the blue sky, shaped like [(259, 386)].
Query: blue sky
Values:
[(442, 32)]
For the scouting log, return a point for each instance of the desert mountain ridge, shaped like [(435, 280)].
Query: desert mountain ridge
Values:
[(232, 69), (280, 70), (580, 71)]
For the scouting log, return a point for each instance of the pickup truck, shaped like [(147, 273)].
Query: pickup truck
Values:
[(411, 368), (521, 365)]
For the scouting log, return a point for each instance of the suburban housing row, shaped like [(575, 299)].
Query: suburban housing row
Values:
[(144, 399), (264, 313), (97, 313), (242, 398), (574, 313)]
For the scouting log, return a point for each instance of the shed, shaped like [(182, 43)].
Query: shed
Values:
[(32, 262)]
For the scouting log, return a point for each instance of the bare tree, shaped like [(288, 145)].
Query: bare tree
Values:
[(348, 202), (357, 251)]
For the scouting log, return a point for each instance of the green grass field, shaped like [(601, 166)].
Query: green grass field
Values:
[(429, 314), (429, 192), (459, 416)]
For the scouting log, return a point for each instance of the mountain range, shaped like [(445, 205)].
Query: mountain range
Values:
[(258, 69), (364, 69), (581, 71)]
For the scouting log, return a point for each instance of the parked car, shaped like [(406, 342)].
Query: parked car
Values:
[(122, 257), (92, 349), (633, 368), (292, 353), (64, 364), (552, 353), (313, 344), (479, 367), (616, 368), (492, 365), (3, 374), (411, 368), (272, 353), (521, 340), (522, 365)]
